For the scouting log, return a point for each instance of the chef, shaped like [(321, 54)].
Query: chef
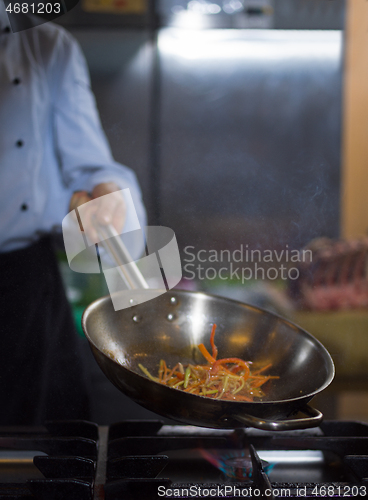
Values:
[(53, 157)]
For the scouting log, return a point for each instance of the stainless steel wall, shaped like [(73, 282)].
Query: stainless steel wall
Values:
[(249, 129), (250, 136)]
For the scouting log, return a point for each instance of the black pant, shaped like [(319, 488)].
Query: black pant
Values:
[(41, 367)]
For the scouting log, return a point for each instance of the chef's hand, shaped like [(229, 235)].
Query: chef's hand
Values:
[(109, 210)]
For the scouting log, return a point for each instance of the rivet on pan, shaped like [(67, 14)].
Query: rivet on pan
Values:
[(137, 318), (173, 300), (170, 317), (131, 302)]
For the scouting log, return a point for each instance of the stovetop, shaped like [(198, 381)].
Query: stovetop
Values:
[(78, 460)]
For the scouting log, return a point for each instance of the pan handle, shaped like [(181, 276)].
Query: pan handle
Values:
[(313, 419), (118, 252)]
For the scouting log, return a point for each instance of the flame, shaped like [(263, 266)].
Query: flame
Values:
[(234, 464)]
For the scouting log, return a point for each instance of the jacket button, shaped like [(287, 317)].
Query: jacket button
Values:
[(7, 29), (16, 81), (19, 143), (24, 207)]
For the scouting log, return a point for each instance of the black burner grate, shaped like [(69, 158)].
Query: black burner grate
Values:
[(139, 459)]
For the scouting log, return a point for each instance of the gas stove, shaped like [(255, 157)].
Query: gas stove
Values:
[(145, 459)]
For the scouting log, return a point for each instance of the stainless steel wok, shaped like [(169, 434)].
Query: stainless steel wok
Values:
[(172, 325)]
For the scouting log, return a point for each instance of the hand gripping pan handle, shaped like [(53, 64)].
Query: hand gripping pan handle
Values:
[(114, 246)]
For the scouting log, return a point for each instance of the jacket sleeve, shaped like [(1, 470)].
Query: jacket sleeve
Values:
[(82, 148)]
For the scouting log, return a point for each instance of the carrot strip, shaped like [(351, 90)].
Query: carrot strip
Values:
[(192, 387), (262, 369), (166, 370), (170, 374), (236, 361), (206, 354), (259, 383), (212, 341)]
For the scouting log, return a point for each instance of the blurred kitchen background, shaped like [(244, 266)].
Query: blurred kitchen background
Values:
[(245, 121)]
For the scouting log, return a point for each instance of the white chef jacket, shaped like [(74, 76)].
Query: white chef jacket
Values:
[(51, 140)]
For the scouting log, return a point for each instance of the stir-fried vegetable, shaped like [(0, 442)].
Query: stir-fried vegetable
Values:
[(228, 378)]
